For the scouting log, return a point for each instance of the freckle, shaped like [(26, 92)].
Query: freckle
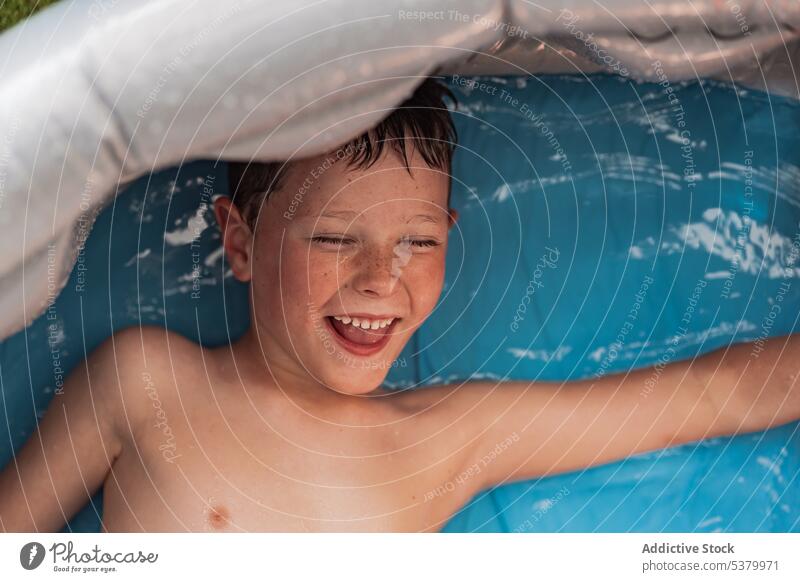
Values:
[(218, 517)]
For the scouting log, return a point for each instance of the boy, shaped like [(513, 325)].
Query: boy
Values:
[(287, 429)]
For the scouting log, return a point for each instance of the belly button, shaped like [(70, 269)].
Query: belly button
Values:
[(218, 516)]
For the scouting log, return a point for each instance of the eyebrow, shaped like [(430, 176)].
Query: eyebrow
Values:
[(349, 215), (426, 218), (340, 214)]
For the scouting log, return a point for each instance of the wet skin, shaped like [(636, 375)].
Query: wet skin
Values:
[(287, 429)]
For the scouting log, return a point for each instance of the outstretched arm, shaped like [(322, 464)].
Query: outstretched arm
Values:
[(69, 455), (519, 430)]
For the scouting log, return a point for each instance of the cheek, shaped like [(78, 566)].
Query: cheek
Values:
[(279, 283), (425, 281), (308, 278)]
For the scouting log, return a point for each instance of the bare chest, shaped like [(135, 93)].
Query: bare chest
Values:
[(234, 473)]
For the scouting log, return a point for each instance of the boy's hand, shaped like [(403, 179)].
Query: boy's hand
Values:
[(519, 430)]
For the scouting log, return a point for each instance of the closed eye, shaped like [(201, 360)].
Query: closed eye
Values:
[(423, 242), (331, 240)]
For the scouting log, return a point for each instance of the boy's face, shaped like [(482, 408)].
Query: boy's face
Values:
[(336, 247)]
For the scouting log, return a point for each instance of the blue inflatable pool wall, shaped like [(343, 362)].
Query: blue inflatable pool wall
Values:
[(604, 225)]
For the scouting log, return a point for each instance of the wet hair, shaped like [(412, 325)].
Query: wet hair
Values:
[(423, 120)]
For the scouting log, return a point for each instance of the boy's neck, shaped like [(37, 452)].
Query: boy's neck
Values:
[(260, 362)]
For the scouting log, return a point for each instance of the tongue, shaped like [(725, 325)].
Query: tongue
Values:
[(358, 335)]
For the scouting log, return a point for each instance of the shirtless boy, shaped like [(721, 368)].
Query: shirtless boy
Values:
[(287, 429)]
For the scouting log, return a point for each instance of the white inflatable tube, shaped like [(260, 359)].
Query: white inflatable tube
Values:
[(90, 98), (96, 93)]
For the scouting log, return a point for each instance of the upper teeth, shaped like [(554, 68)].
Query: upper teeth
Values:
[(364, 323)]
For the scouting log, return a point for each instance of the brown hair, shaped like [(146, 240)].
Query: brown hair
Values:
[(423, 118)]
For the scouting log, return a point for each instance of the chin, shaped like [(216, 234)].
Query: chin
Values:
[(353, 379)]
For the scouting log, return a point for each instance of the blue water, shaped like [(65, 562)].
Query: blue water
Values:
[(686, 236)]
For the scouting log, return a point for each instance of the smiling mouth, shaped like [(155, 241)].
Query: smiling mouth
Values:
[(360, 340)]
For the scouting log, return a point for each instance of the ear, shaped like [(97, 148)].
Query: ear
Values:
[(236, 237), (453, 216)]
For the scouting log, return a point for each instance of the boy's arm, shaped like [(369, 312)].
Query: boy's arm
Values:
[(519, 430), (68, 457)]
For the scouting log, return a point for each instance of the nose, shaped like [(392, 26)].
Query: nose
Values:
[(377, 271)]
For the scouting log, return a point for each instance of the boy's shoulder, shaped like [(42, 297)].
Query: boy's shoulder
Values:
[(146, 348), (137, 358), (152, 336)]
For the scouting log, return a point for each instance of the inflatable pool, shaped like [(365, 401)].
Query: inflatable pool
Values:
[(613, 213)]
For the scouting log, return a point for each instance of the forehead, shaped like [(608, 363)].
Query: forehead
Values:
[(325, 185)]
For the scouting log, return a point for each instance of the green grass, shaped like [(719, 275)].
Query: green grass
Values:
[(12, 11)]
